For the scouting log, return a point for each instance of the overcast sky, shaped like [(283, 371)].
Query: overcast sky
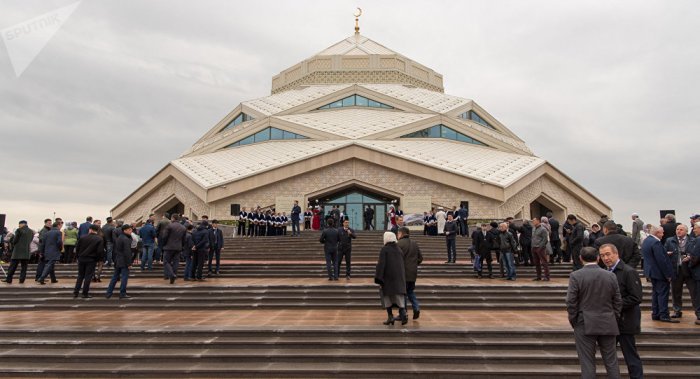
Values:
[(607, 91)]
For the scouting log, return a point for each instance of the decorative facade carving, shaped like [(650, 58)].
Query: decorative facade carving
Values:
[(374, 77)]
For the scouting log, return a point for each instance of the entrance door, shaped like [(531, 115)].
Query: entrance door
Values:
[(353, 203), (354, 213), (380, 217)]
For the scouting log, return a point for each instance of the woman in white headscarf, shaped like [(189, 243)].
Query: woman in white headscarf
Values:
[(390, 275)]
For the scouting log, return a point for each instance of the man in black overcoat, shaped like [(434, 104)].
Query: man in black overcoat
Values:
[(329, 239), (631, 316)]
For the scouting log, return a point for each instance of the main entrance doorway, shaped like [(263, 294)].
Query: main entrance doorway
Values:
[(353, 202)]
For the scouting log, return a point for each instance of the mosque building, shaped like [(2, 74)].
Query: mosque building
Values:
[(359, 125)]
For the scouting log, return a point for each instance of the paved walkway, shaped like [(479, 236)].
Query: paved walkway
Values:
[(443, 319)]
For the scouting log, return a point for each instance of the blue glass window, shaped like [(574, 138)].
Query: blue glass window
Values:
[(448, 133), (442, 131), (276, 134), (248, 140), (262, 135), (241, 118), (267, 134), (473, 116), (356, 101)]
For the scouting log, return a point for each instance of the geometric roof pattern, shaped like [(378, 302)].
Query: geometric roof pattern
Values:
[(435, 101), (520, 145), (477, 162), (485, 164), (280, 102), (226, 165), (355, 123), (357, 45)]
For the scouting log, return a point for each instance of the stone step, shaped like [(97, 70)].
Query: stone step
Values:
[(645, 342), (315, 352), (351, 297), (136, 355), (486, 370)]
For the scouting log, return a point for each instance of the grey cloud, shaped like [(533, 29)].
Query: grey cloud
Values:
[(603, 90)]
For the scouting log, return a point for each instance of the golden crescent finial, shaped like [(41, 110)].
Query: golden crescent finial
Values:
[(357, 15)]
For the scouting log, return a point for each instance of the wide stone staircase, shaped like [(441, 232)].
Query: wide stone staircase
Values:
[(272, 313)]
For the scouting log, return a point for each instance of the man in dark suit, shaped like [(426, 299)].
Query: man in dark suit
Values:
[(89, 250), (202, 243), (575, 240), (217, 244), (658, 268), (50, 251), (451, 230), (631, 317), (525, 241), (369, 217), (627, 248), (296, 216), (83, 230), (463, 214), (482, 248), (122, 262), (329, 239), (173, 242), (594, 304), (555, 240), (669, 227), (345, 237)]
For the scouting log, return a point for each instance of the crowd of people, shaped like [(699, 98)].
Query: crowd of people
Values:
[(94, 246), (605, 291), (259, 222), (603, 298)]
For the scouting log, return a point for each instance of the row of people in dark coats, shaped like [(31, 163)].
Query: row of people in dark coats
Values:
[(195, 245)]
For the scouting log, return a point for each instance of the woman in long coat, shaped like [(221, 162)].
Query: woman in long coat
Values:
[(391, 276)]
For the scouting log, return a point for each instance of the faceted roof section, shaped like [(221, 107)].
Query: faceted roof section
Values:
[(355, 123), (357, 45), (210, 170), (476, 162), (434, 101), (481, 163), (282, 101)]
